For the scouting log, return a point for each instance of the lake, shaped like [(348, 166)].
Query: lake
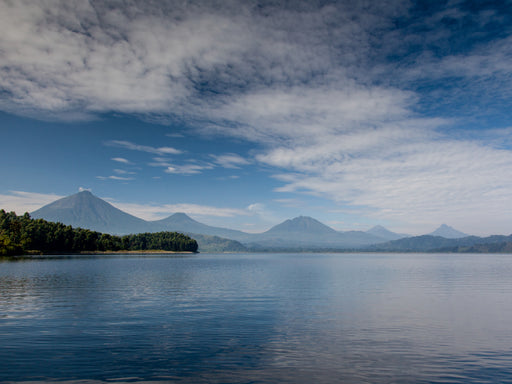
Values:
[(257, 318)]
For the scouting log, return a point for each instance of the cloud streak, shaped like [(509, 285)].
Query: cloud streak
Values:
[(230, 160), (114, 177), (141, 148), (157, 212), (121, 160), (188, 169), (21, 201)]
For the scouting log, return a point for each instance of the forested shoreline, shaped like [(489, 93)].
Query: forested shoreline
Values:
[(21, 235)]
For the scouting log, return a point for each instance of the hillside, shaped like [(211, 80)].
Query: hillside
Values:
[(85, 210), (428, 243), (214, 244), (183, 223)]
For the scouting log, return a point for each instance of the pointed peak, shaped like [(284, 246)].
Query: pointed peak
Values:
[(377, 227), (381, 231), (83, 194), (85, 210), (448, 232), (301, 224), (444, 226), (304, 219), (181, 215)]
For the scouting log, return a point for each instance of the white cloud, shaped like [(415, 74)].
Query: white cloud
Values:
[(160, 162), (192, 168), (264, 214), (73, 59), (143, 148), (114, 177), (121, 160), (230, 160), (423, 182), (157, 212), (123, 172), (21, 202), (188, 169), (257, 208)]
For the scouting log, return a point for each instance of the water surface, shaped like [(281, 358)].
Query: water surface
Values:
[(258, 318)]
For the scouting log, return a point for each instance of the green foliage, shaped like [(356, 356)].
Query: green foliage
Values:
[(167, 241), (19, 234)]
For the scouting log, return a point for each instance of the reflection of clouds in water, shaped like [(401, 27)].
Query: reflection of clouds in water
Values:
[(260, 318)]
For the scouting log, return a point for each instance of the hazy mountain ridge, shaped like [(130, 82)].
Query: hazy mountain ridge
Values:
[(385, 233), (303, 233), (429, 243), (181, 222), (88, 211), (214, 244)]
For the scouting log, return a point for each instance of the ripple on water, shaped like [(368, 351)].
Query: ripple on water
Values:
[(347, 318)]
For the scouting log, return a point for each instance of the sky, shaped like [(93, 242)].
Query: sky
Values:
[(245, 113)]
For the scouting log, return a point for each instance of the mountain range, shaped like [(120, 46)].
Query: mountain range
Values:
[(85, 210)]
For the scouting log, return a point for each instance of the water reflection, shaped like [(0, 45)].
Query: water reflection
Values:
[(257, 318)]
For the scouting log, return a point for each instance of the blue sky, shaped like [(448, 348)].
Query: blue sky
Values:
[(245, 113)]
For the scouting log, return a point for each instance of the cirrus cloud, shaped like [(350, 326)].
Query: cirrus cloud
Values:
[(142, 148)]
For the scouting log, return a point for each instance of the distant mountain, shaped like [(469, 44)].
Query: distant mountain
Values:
[(305, 232), (301, 233), (448, 232), (296, 232), (358, 239), (299, 226), (182, 223), (216, 244), (428, 243), (385, 233), (85, 210), (500, 247)]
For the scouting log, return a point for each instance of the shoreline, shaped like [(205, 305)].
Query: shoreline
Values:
[(149, 251), (36, 254)]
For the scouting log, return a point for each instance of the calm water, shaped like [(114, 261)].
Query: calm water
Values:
[(323, 318)]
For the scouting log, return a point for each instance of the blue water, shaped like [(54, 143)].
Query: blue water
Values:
[(258, 318)]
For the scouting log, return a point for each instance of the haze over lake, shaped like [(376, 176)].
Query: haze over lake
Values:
[(262, 318)]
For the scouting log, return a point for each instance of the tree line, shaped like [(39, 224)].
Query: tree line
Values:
[(21, 234)]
